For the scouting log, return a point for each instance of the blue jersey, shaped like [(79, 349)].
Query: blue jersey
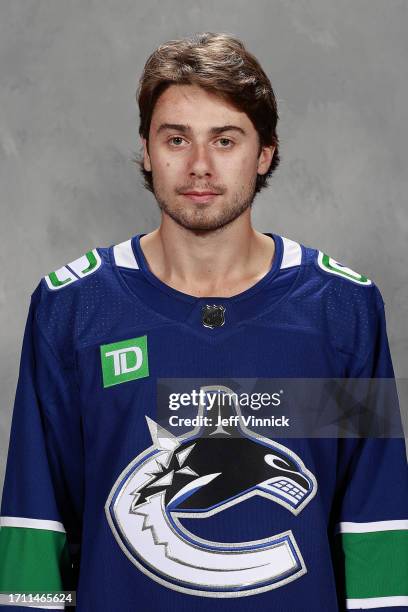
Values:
[(100, 499)]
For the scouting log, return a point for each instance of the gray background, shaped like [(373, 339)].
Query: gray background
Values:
[(69, 127)]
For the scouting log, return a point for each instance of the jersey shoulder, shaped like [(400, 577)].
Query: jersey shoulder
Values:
[(336, 284), (84, 301), (84, 266), (324, 266), (327, 273), (68, 299), (344, 304), (327, 265), (97, 263)]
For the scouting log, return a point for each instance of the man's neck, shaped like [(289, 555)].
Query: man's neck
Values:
[(221, 263)]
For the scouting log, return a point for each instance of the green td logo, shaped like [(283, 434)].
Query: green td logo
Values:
[(124, 361)]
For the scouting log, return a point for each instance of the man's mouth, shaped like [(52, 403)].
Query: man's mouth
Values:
[(200, 196)]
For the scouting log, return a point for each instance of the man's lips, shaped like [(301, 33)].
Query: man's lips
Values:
[(195, 192), (200, 196)]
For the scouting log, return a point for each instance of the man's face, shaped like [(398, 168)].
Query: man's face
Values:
[(204, 158)]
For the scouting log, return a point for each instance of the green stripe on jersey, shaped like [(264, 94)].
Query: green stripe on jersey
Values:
[(56, 282), (33, 560), (93, 262), (376, 563)]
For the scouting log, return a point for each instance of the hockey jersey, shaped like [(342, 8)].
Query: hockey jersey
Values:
[(101, 499)]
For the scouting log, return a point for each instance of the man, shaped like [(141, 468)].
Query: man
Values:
[(136, 515)]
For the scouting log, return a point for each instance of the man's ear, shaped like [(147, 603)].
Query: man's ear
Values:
[(265, 159), (146, 157)]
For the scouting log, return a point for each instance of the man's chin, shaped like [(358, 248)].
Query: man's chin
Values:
[(203, 223), (204, 218)]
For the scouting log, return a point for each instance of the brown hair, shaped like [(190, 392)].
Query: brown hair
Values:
[(220, 64)]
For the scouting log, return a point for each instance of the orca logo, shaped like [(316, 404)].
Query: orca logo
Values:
[(196, 476)]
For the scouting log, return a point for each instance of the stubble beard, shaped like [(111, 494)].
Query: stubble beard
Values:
[(200, 218)]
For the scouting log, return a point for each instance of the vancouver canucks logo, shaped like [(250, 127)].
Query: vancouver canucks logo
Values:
[(195, 476)]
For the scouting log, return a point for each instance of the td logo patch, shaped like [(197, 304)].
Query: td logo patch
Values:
[(124, 361)]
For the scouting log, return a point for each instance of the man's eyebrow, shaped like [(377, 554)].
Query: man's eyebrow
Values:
[(185, 129)]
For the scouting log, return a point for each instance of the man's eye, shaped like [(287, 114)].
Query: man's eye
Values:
[(174, 138), (225, 142)]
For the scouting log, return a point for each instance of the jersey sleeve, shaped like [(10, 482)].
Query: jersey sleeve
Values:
[(371, 525), (40, 522)]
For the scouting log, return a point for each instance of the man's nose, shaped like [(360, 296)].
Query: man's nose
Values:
[(200, 161)]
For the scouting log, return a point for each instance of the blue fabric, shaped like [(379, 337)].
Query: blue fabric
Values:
[(72, 437)]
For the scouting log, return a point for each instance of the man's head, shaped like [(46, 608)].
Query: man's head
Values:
[(208, 120)]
